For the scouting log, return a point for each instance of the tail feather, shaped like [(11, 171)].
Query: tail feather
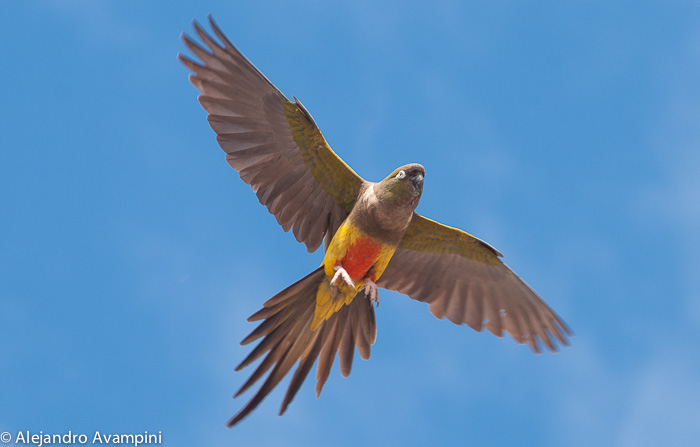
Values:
[(266, 312), (260, 371), (330, 347), (288, 339), (272, 339), (270, 324), (300, 374), (361, 338), (278, 353), (346, 350)]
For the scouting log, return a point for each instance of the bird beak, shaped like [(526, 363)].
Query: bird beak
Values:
[(417, 182)]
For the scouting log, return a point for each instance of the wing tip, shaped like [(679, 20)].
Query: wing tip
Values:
[(233, 421), (212, 22)]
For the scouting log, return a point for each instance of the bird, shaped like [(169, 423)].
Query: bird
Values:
[(371, 234)]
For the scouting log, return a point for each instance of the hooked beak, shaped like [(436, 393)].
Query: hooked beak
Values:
[(417, 182)]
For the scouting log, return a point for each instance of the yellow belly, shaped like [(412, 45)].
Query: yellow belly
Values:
[(361, 256)]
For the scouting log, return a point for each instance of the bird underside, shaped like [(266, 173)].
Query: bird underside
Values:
[(369, 287)]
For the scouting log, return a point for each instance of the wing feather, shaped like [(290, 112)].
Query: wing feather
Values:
[(272, 142), (463, 279)]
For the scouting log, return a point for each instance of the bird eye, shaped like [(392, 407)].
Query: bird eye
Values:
[(400, 175)]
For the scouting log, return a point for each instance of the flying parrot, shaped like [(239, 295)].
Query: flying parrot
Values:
[(372, 236)]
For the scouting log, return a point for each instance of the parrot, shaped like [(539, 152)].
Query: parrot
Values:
[(371, 234)]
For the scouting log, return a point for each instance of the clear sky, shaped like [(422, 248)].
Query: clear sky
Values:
[(566, 134)]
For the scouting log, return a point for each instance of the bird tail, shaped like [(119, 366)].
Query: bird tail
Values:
[(288, 338)]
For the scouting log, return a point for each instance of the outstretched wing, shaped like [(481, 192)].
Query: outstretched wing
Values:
[(273, 143), (463, 279)]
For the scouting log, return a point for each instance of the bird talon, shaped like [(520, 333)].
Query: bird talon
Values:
[(371, 291), (341, 274)]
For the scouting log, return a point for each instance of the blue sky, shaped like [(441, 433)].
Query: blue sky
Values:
[(566, 135)]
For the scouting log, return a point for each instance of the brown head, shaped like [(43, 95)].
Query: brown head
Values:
[(403, 187)]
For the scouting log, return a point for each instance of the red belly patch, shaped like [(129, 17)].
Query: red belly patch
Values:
[(360, 257)]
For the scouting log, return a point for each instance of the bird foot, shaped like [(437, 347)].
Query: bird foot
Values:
[(371, 290), (342, 275)]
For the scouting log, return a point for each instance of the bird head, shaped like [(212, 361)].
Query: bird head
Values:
[(404, 186)]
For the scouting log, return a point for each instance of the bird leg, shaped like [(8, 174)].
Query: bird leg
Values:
[(371, 290), (341, 274)]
